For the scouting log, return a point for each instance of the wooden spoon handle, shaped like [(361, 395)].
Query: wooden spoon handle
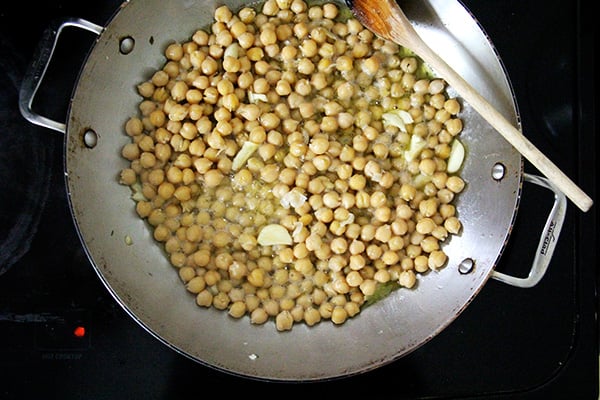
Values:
[(494, 118)]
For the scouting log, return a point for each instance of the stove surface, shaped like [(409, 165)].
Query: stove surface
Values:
[(62, 334)]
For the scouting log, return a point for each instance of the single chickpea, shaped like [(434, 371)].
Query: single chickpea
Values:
[(436, 259), (455, 184), (452, 225), (407, 279), (383, 233), (213, 177), (362, 199), (339, 245), (259, 316), (454, 126), (204, 298), (319, 145), (371, 65), (368, 287), (312, 316), (345, 91), (284, 321), (382, 213), (390, 257), (357, 182)]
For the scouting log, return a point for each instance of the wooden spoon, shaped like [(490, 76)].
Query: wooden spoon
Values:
[(386, 19)]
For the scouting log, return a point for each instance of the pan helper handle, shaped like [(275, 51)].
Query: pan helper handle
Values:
[(548, 239), (35, 74)]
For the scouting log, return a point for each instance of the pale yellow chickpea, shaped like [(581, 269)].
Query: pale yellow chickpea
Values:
[(370, 65), (196, 284), (272, 307), (312, 316), (319, 145), (304, 265), (339, 315), (128, 176), (213, 177), (354, 279), (146, 89), (339, 245), (368, 287), (407, 279), (201, 258), (452, 225), (455, 184), (134, 126), (436, 259), (345, 91), (428, 207), (425, 226), (382, 213), (357, 182), (237, 309), (383, 233), (186, 274), (270, 173), (204, 298), (130, 151), (259, 316)]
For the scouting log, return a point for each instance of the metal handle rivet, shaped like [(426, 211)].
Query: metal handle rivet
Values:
[(466, 266), (126, 45), (90, 139), (498, 171)]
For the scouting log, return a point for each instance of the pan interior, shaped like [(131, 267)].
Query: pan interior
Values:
[(135, 270)]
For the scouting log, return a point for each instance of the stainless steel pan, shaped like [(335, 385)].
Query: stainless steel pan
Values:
[(136, 272)]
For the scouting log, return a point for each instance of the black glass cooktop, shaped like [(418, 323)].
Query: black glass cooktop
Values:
[(63, 336)]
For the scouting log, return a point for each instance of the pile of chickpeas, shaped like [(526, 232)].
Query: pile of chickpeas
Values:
[(308, 85)]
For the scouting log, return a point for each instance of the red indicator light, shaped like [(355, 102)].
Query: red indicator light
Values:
[(79, 331)]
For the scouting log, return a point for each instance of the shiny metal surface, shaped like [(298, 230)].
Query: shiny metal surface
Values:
[(141, 279)]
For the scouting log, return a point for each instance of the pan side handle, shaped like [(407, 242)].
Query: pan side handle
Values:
[(35, 74), (548, 239)]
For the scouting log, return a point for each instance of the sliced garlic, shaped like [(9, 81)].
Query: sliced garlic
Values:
[(136, 192), (417, 144), (457, 156), (421, 180), (248, 148), (294, 198), (348, 220), (233, 50), (397, 118), (274, 234), (256, 97), (297, 228)]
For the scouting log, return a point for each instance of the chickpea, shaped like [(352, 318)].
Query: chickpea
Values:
[(357, 182), (213, 177), (128, 176), (436, 259), (345, 91), (204, 298), (407, 279), (383, 233), (237, 309), (452, 225), (259, 316), (339, 245), (455, 184), (130, 151), (312, 316)]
